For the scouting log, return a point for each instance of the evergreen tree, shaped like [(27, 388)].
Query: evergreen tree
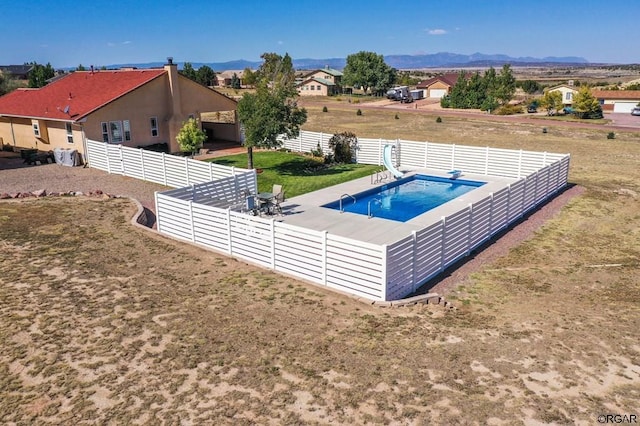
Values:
[(585, 105), (189, 72), (205, 75)]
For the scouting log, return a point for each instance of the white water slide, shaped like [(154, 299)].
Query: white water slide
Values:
[(386, 160)]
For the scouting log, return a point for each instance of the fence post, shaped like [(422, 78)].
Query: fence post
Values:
[(524, 194), (164, 170), (414, 236), (443, 242), (324, 257), (491, 214), (106, 154), (469, 229), (210, 172), (193, 232), (379, 151), (230, 246), (385, 257), (453, 157), (158, 222), (300, 141), (426, 154), (273, 244), (144, 174), (486, 162), (520, 165), (124, 171), (186, 170)]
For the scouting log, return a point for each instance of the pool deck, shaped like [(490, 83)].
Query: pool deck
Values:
[(306, 211)]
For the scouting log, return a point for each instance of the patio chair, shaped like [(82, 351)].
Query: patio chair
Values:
[(251, 206), (276, 190), (278, 199)]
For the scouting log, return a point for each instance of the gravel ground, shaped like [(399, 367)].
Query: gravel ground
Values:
[(15, 176)]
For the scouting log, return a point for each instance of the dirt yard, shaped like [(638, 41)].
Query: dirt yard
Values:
[(102, 322)]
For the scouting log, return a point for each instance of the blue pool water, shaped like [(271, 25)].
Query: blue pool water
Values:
[(406, 198)]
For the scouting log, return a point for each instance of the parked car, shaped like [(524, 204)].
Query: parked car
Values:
[(568, 110), (635, 111), (532, 109)]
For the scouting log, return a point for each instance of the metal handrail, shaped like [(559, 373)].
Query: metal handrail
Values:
[(369, 215), (342, 197)]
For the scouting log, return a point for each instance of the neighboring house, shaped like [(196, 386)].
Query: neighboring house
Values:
[(133, 108), (19, 72), (224, 78), (568, 92), (438, 86), (323, 82), (617, 100)]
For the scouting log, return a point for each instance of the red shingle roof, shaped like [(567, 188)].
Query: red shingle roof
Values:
[(449, 79), (79, 93), (617, 94)]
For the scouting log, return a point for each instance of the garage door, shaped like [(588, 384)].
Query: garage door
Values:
[(437, 93), (624, 106)]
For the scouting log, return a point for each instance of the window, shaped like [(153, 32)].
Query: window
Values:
[(69, 132), (115, 131), (36, 129), (127, 130), (313, 87), (318, 87), (568, 96), (105, 132), (154, 127)]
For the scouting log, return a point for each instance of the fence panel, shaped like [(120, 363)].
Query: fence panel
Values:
[(400, 269), (500, 210), (251, 238), (456, 236), (299, 252), (480, 222), (413, 154), (429, 246), (439, 156), (355, 267), (211, 227), (503, 162), (369, 151), (470, 159), (174, 217)]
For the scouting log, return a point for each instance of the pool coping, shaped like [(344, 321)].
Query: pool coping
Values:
[(307, 211)]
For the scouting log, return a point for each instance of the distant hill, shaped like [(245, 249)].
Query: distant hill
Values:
[(434, 60)]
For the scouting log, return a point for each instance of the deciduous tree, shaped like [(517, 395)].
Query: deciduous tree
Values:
[(40, 74), (272, 110), (369, 71), (551, 101)]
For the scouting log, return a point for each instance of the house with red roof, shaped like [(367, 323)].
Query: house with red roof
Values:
[(135, 107), (617, 100)]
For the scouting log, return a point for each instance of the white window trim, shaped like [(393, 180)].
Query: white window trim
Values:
[(69, 128), (105, 131), (36, 129)]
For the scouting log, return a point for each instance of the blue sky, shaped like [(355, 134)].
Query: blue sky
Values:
[(67, 33)]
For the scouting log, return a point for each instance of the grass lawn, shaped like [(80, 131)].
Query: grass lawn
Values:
[(298, 174)]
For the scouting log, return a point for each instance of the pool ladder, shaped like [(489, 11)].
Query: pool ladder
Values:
[(375, 200), (380, 176), (342, 198)]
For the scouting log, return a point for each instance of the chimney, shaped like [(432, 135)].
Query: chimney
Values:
[(175, 121)]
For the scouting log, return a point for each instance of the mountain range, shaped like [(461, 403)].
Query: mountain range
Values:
[(434, 60)]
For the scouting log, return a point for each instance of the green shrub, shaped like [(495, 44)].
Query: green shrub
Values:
[(324, 109), (318, 151), (356, 101), (439, 120), (397, 118), (358, 112), (509, 110), (343, 144), (611, 135), (338, 99)]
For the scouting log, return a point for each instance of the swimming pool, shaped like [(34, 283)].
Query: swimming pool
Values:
[(406, 198)]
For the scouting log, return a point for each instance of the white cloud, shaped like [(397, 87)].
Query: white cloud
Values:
[(437, 31), (280, 42), (127, 42)]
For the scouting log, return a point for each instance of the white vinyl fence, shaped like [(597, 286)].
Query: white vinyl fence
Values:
[(375, 272), (157, 167), (470, 159)]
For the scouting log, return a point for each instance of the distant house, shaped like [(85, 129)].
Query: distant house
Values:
[(617, 100), (133, 108), (322, 82), (225, 78), (19, 72), (568, 91), (438, 86)]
